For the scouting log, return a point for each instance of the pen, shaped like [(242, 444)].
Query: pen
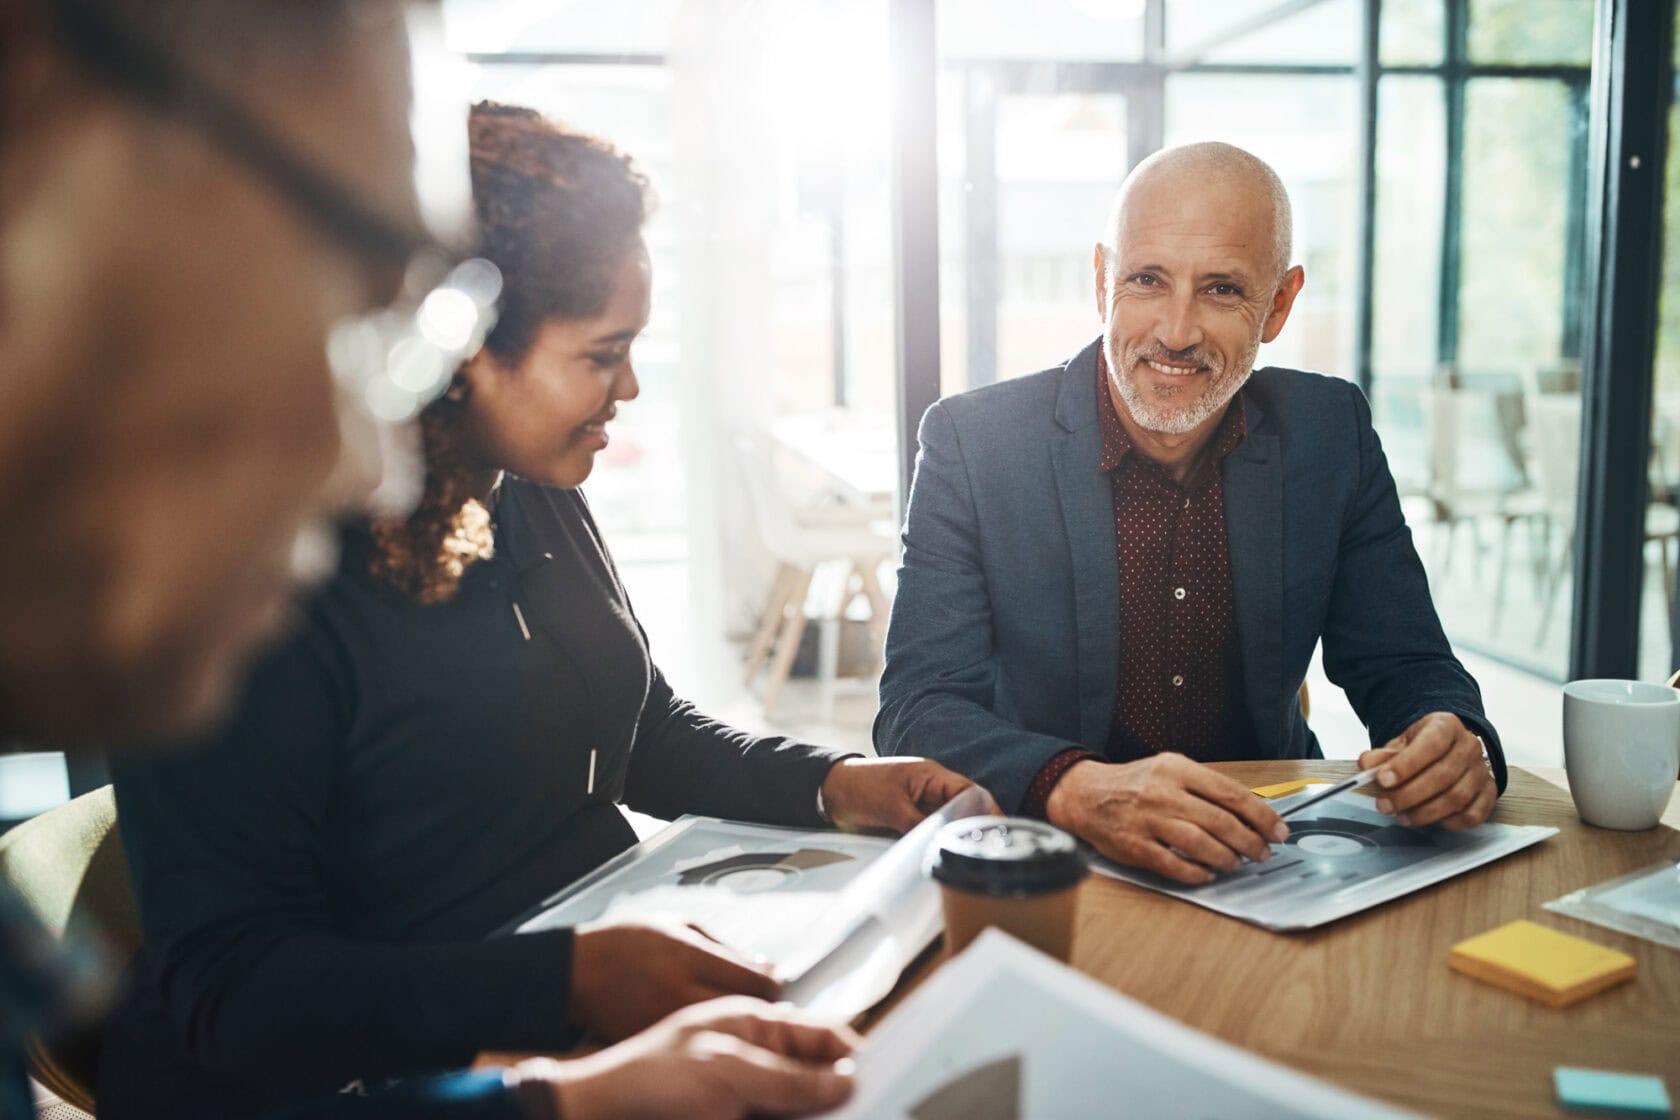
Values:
[(1363, 778)]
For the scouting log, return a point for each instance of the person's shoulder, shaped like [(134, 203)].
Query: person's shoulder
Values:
[(1280, 381), (1014, 403), (1298, 395)]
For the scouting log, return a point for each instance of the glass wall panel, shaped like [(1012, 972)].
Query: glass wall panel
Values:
[(1531, 31), (1051, 31), (590, 27), (1413, 33), (1323, 34), (1307, 129), (1517, 146), (1657, 649), (1059, 158), (1258, 31), (769, 354), (1405, 319), (1486, 444)]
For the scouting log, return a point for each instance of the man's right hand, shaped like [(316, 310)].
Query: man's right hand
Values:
[(1167, 814), (627, 977), (719, 1061)]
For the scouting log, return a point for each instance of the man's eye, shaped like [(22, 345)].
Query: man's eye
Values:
[(1144, 279), (1225, 290), (608, 359)]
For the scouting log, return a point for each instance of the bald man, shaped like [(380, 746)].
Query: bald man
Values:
[(1116, 570)]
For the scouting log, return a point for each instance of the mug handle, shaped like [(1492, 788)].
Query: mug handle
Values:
[(1674, 681)]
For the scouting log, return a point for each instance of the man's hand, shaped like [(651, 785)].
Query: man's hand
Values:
[(718, 1061), (1167, 814), (1434, 774), (894, 793), (627, 977)]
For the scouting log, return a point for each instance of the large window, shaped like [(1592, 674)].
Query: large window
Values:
[(1658, 651), (1478, 243), (767, 368), (1032, 148)]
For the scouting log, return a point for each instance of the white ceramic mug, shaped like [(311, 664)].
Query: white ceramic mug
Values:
[(1621, 747)]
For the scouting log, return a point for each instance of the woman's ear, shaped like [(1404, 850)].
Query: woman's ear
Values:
[(472, 373)]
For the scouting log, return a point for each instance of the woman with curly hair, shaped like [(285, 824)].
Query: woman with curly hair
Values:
[(445, 741)]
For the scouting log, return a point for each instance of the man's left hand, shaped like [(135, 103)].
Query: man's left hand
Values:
[(893, 793), (1434, 774)]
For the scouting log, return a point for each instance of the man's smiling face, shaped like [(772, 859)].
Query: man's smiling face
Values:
[(1189, 286)]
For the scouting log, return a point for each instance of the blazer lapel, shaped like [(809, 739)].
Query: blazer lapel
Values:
[(1253, 480), (1087, 505)]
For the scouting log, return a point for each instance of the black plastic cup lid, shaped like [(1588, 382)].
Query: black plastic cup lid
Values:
[(1005, 856)]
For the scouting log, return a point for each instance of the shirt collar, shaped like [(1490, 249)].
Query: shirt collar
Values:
[(1117, 442)]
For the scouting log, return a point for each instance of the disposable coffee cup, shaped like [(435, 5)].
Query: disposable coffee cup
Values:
[(1017, 874), (1621, 749)]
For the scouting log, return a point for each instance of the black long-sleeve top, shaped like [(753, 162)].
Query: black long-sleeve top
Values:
[(318, 879)]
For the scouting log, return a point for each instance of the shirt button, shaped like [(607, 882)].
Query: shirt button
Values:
[(1178, 680), (1178, 593)]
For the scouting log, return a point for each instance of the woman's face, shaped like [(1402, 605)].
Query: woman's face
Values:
[(545, 418)]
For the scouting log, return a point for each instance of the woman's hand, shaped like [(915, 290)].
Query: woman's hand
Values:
[(717, 1061), (627, 977), (892, 793)]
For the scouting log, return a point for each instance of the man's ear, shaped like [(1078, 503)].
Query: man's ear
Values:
[(1282, 300), (1099, 264)]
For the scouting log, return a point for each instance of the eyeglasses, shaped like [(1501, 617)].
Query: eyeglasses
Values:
[(392, 362)]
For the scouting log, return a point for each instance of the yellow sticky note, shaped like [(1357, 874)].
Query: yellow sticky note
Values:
[(1540, 963), (1283, 789)]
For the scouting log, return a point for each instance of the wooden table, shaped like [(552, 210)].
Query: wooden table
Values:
[(1369, 1003)]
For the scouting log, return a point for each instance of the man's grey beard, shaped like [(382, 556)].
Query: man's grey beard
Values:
[(1156, 414)]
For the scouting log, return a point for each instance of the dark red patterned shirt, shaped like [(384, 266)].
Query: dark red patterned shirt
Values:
[(1180, 685)]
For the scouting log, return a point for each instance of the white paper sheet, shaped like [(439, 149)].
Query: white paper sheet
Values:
[(1003, 1032), (840, 915), (1342, 856)]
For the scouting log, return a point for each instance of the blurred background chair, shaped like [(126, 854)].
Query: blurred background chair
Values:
[(1462, 491), (68, 865), (1555, 420), (847, 542)]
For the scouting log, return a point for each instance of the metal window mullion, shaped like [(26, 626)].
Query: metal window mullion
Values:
[(1452, 209), (915, 219), (1632, 46), (1370, 43)]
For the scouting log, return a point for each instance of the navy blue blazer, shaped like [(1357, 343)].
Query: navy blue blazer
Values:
[(1004, 645)]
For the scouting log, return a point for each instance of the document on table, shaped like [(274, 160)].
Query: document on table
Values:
[(1645, 903), (1342, 856), (1003, 1032), (839, 914)]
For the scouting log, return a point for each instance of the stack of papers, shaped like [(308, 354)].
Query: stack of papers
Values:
[(1004, 1032)]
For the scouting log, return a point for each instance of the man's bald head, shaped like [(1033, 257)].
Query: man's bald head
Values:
[(1245, 177), (1192, 277)]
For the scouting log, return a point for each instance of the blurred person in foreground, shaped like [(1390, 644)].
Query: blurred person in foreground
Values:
[(192, 194), (445, 741), (1116, 570)]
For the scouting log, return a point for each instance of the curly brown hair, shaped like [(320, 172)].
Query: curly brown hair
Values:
[(557, 210)]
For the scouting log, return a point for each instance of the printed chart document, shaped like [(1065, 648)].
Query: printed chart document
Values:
[(1003, 1032), (841, 915), (1342, 856)]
